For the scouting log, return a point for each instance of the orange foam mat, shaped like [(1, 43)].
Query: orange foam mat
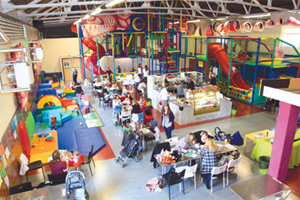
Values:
[(41, 149)]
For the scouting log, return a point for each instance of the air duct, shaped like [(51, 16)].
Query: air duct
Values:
[(220, 30), (293, 21), (269, 24), (215, 26), (258, 27), (279, 22), (246, 27), (234, 26), (208, 31)]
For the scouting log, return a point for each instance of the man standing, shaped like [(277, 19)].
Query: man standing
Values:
[(180, 92), (74, 74)]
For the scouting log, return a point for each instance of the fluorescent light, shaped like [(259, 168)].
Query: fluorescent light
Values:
[(78, 21), (97, 11), (257, 15), (177, 22), (114, 2), (219, 19), (170, 11), (146, 5), (86, 17), (196, 20), (3, 36)]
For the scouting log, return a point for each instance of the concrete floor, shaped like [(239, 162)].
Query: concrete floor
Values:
[(112, 182)]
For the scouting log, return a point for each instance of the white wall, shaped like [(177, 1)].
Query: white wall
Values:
[(56, 48), (8, 101)]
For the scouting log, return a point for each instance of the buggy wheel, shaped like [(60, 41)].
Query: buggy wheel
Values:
[(137, 159), (123, 165), (117, 160)]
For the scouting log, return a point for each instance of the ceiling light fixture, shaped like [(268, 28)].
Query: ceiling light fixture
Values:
[(146, 5), (78, 21), (97, 11), (86, 17), (113, 3), (257, 15), (191, 21)]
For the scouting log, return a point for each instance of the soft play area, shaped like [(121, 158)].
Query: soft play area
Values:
[(76, 121)]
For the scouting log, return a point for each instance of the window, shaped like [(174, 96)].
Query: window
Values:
[(290, 35)]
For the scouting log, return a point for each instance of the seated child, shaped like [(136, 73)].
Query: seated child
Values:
[(75, 156), (106, 97)]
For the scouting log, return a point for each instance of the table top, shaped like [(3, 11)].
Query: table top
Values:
[(224, 148), (258, 187), (180, 159), (260, 135), (51, 192)]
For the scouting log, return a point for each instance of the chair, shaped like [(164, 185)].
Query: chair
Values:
[(125, 115), (101, 98), (232, 165), (173, 178), (190, 172), (21, 188), (34, 166), (148, 118), (173, 141), (88, 159), (137, 117), (285, 197), (57, 179), (78, 163), (217, 171)]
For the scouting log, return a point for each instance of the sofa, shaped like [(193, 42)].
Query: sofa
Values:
[(264, 148)]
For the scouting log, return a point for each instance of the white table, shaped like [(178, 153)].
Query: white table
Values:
[(259, 188)]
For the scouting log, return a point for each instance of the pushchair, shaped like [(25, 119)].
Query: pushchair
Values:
[(133, 145), (75, 186), (116, 114)]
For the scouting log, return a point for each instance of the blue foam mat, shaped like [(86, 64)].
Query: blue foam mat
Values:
[(66, 139), (88, 137), (74, 124)]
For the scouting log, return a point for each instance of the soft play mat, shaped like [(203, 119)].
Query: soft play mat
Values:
[(92, 120)]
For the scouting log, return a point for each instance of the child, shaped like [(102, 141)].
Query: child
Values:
[(106, 97), (53, 122), (155, 130), (75, 156), (137, 80)]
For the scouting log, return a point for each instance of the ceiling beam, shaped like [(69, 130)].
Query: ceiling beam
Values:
[(54, 13), (262, 8), (9, 7)]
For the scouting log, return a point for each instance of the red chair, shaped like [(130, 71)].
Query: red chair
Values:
[(147, 118), (78, 163)]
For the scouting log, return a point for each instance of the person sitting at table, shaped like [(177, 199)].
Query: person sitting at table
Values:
[(185, 143), (209, 160), (136, 108), (124, 91), (127, 101), (142, 87), (57, 166), (119, 90), (143, 102), (204, 135)]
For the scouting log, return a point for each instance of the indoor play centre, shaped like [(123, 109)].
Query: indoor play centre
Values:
[(67, 66)]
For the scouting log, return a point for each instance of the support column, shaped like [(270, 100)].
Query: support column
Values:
[(283, 141)]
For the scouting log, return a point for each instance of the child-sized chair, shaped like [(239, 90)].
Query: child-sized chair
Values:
[(78, 163)]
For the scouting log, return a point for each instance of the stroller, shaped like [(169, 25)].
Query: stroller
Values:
[(75, 186), (132, 147)]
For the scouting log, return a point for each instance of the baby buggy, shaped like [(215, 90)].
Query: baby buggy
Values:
[(75, 186), (132, 147)]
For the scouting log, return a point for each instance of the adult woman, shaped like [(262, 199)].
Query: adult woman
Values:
[(137, 80), (191, 84), (57, 166), (186, 142), (164, 95), (167, 120), (140, 70), (145, 73), (136, 108), (213, 80), (209, 160)]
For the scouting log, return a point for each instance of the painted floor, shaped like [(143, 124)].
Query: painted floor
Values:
[(112, 182)]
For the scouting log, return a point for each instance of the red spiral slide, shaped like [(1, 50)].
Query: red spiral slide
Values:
[(235, 77)]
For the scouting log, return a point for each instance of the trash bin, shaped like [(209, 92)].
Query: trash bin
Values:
[(234, 109), (264, 164)]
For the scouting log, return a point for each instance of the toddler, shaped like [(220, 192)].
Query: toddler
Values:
[(75, 156)]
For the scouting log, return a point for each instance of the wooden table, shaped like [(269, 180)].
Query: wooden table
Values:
[(266, 136), (259, 187)]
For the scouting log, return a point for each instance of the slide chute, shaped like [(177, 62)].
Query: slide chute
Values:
[(235, 77)]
